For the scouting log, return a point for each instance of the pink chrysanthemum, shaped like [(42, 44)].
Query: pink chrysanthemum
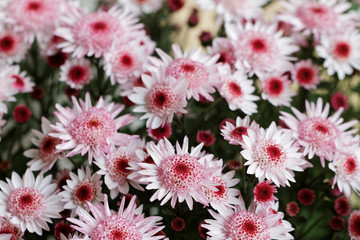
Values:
[(160, 99), (124, 61), (339, 100), (23, 83), (7, 91), (82, 189), (46, 155), (260, 48), (318, 17), (272, 155), (354, 225), (234, 132), (116, 166), (88, 129), (225, 195), (12, 47), (238, 91), (315, 131), (139, 6), (264, 193), (30, 202), (160, 132), (341, 52), (124, 224), (35, 18), (306, 74), (9, 231), (177, 176), (225, 48), (94, 33), (199, 69), (276, 89), (292, 209), (255, 223), (206, 137), (76, 73)]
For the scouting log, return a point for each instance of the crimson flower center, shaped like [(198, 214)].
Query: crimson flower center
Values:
[(19, 81), (274, 152), (350, 165), (275, 86), (99, 26), (321, 128), (77, 73), (188, 68), (342, 50), (318, 10), (258, 45), (182, 169), (305, 75), (235, 89), (84, 192), (249, 227), (34, 6), (7, 43), (127, 60)]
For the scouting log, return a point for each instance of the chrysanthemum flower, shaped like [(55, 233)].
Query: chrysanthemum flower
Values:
[(306, 196), (88, 129), (12, 47), (177, 176), (339, 100), (342, 206), (225, 48), (292, 209), (22, 83), (139, 6), (178, 224), (318, 17), (35, 18), (124, 224), (234, 132), (7, 91), (94, 33), (199, 69), (276, 89), (315, 131), (10, 231), (115, 167), (264, 193), (354, 225), (341, 52), (21, 113), (160, 132), (336, 223), (46, 155), (206, 137), (255, 223), (62, 228), (238, 91), (306, 74), (124, 61), (160, 99), (272, 155), (30, 202), (82, 189), (76, 73), (260, 48)]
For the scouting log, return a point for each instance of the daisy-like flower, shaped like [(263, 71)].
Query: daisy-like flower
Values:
[(139, 6), (260, 48), (177, 176), (9, 231), (94, 33), (76, 73), (30, 202), (276, 89), (255, 223), (160, 98), (264, 193), (318, 17), (45, 156), (341, 52), (234, 132), (225, 195), (306, 74), (195, 66), (315, 131), (124, 224), (271, 154), (12, 47), (7, 91), (235, 9), (90, 129), (225, 48), (35, 18), (22, 82), (124, 60), (116, 165), (81, 189), (238, 91)]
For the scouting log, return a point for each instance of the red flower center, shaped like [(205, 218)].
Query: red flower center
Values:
[(273, 152), (19, 81), (99, 26), (188, 68), (235, 89), (305, 75), (7, 43), (249, 227), (322, 128), (34, 6), (258, 45), (342, 50), (84, 192), (127, 60), (77, 74), (275, 86), (350, 165), (317, 10), (182, 169)]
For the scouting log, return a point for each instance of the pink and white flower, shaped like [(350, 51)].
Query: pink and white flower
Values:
[(261, 48), (177, 176), (315, 131), (94, 33), (199, 69), (76, 73), (341, 52), (10, 231), (254, 223), (116, 166), (272, 155), (306, 74), (81, 189), (90, 129), (23, 83), (160, 99), (103, 223), (45, 156), (238, 91), (12, 47), (142, 6), (30, 202), (234, 132), (276, 89), (225, 48), (7, 91)]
